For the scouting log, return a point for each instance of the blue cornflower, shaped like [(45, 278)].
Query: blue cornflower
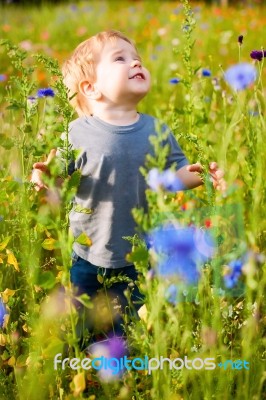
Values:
[(181, 250), (111, 348), (159, 47), (115, 346), (186, 269), (197, 9), (231, 279), (253, 113), (171, 294), (240, 76), (206, 72), (73, 7), (1, 218), (3, 312), (3, 77), (174, 81), (47, 92), (32, 100), (166, 179), (176, 10)]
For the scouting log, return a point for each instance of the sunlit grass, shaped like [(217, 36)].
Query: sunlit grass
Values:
[(211, 122)]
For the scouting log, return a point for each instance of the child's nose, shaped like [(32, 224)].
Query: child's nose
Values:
[(135, 63)]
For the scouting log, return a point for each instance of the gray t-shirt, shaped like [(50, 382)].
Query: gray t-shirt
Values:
[(111, 184)]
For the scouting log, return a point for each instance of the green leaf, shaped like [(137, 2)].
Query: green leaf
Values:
[(60, 128), (11, 186), (78, 208), (139, 254), (6, 142), (197, 69), (22, 360), (85, 300), (49, 244), (14, 107), (5, 355), (54, 347), (27, 128), (74, 179), (46, 280), (4, 243), (100, 279), (83, 239)]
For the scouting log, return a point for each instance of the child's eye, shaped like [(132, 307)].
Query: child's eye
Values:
[(119, 59)]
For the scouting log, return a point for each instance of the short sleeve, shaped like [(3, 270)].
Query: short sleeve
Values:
[(176, 155)]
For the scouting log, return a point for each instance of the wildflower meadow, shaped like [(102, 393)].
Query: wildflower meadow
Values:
[(200, 253)]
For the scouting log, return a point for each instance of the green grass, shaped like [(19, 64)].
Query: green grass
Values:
[(211, 122)]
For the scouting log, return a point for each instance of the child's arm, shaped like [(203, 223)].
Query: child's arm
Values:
[(39, 169), (190, 178)]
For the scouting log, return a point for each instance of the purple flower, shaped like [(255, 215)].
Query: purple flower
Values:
[(258, 54), (174, 81), (32, 100), (114, 346), (111, 350), (47, 92), (3, 312), (176, 10), (240, 39), (150, 274), (240, 76), (171, 294), (3, 77), (73, 7), (181, 250), (166, 179), (231, 279), (206, 72), (117, 347)]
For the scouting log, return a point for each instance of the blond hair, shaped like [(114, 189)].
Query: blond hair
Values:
[(82, 66)]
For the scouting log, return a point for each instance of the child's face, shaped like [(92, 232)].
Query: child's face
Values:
[(120, 76)]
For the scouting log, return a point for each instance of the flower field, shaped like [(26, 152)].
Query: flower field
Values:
[(201, 333)]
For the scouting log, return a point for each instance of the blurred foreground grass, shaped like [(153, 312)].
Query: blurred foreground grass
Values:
[(211, 122)]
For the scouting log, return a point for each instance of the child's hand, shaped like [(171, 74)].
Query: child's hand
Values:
[(39, 169), (217, 175), (215, 172)]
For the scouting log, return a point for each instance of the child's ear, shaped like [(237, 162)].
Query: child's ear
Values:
[(89, 90)]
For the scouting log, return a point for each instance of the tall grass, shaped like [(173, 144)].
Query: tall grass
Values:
[(211, 122)]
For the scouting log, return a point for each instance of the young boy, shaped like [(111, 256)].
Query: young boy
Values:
[(109, 79)]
